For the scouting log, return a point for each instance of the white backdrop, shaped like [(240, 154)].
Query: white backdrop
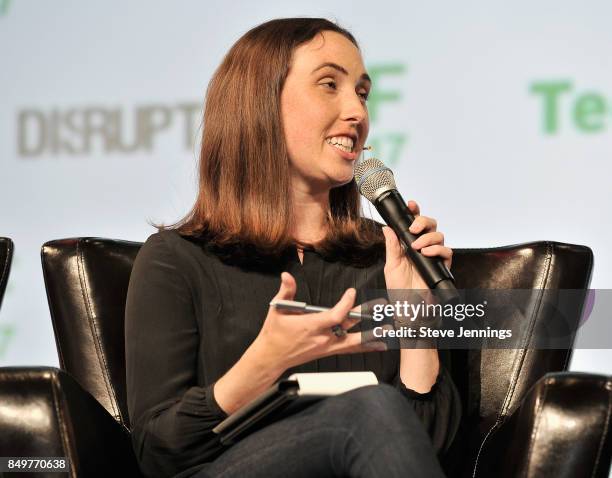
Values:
[(495, 116)]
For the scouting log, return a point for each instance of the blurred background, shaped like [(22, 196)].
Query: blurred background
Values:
[(496, 117)]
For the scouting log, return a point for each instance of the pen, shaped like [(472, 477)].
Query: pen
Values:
[(303, 307)]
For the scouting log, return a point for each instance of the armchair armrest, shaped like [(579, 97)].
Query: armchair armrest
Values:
[(561, 429), (45, 412)]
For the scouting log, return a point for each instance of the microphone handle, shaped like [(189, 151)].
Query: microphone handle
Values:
[(393, 209)]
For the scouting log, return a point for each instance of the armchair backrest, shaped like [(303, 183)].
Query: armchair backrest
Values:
[(87, 280), (492, 382)]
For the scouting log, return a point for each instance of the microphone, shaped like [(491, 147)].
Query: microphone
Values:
[(377, 184)]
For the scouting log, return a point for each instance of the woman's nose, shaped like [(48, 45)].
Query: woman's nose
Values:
[(354, 109)]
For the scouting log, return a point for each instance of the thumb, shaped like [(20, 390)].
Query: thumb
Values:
[(287, 287)]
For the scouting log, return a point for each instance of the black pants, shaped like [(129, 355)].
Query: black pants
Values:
[(368, 432)]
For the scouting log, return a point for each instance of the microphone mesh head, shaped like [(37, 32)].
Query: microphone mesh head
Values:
[(371, 175)]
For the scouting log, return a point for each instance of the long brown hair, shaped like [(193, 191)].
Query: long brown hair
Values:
[(244, 199)]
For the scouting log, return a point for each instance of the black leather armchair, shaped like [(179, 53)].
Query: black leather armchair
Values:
[(6, 257), (522, 414)]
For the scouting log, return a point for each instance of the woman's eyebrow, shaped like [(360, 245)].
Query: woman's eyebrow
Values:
[(341, 69)]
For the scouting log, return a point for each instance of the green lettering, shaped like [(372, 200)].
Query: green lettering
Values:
[(589, 111), (4, 6), (396, 142), (550, 92), (380, 95), (387, 147)]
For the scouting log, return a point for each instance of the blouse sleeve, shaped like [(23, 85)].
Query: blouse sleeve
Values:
[(439, 409), (171, 416)]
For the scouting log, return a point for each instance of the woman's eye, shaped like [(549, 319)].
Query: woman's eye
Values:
[(364, 95), (334, 86)]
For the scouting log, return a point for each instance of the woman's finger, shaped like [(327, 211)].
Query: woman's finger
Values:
[(413, 207), (287, 287), (348, 323), (423, 223), (338, 312), (437, 250), (364, 308), (445, 253), (428, 239)]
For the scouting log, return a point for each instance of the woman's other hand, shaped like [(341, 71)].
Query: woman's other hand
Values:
[(288, 339), (400, 272)]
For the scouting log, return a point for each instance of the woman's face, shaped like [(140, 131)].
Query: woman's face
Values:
[(324, 113)]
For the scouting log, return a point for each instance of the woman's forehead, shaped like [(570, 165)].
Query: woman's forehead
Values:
[(327, 47)]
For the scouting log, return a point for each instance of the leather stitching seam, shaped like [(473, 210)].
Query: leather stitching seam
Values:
[(94, 332)]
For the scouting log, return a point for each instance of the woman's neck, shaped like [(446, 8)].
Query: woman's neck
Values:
[(309, 216)]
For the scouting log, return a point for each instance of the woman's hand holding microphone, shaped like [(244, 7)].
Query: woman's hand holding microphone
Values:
[(400, 272), (419, 362)]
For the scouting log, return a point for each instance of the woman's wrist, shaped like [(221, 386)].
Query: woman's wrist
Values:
[(254, 373), (419, 369), (264, 361)]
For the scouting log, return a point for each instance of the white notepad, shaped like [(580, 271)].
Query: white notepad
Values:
[(332, 383)]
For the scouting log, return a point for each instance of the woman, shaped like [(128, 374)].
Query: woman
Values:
[(278, 217)]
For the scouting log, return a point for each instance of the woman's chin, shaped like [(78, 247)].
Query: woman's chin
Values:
[(338, 180)]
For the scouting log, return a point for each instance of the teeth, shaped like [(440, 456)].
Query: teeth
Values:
[(341, 142)]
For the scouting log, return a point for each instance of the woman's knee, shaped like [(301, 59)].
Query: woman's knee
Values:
[(378, 406), (382, 396)]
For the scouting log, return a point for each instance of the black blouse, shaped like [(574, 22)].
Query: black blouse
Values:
[(190, 315)]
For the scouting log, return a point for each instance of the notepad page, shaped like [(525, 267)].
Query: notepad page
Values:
[(332, 383)]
